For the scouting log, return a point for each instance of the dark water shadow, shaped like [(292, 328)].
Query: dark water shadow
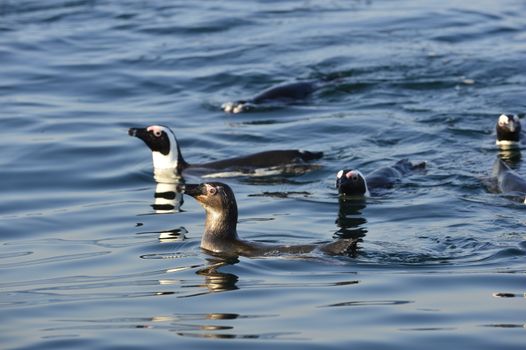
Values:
[(350, 219)]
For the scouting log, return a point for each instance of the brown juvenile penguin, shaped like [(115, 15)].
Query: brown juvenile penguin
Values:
[(220, 235)]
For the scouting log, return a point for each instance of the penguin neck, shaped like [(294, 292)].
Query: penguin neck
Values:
[(172, 161), (162, 161), (504, 135), (220, 229)]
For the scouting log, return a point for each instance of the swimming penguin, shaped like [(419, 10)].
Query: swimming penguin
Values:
[(288, 92), (354, 183), (508, 181), (167, 155), (220, 234), (508, 131)]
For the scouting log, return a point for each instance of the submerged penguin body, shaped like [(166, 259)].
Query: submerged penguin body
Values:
[(283, 93), (508, 181)]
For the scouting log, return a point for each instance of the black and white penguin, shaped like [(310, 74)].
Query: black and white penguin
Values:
[(508, 181), (166, 154), (220, 234), (284, 93), (352, 182), (508, 131)]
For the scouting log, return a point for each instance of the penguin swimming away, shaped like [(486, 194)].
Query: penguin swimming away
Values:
[(166, 154), (508, 131), (288, 92), (220, 234), (354, 183), (508, 181)]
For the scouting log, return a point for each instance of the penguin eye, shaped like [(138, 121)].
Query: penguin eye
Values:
[(212, 191), (355, 177), (157, 133)]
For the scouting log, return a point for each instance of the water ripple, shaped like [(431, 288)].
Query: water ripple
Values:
[(67, 257), (441, 255)]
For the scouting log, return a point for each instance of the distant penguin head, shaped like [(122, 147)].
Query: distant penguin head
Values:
[(216, 197), (351, 183), (163, 144), (237, 106), (508, 130)]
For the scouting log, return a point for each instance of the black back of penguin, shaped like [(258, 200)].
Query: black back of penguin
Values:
[(287, 92), (508, 180)]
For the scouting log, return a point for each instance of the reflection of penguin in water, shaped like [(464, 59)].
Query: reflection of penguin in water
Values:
[(509, 131), (284, 93), (220, 235), (350, 218), (354, 183), (508, 181), (217, 281), (167, 198), (167, 155)]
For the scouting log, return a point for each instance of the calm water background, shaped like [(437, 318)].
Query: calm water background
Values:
[(81, 261)]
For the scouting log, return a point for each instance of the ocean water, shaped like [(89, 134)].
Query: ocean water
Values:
[(89, 262)]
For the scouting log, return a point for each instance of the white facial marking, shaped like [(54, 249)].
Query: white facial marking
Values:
[(212, 189), (156, 129), (360, 174), (161, 161), (339, 175), (503, 119)]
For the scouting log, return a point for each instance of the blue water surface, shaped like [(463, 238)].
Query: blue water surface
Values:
[(88, 263)]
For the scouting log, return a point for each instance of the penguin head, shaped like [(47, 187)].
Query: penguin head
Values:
[(508, 129), (237, 106), (216, 198), (163, 144), (351, 183)]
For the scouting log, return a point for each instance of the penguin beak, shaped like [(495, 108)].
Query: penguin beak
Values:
[(194, 190), (138, 132)]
